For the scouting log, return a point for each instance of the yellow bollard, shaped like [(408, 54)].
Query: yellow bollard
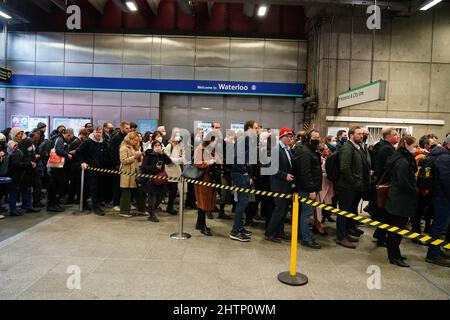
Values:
[(291, 277)]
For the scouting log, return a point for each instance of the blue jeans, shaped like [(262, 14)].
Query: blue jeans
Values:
[(26, 199), (241, 181), (305, 215), (440, 223)]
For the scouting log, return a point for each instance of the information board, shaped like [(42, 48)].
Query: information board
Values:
[(75, 123)]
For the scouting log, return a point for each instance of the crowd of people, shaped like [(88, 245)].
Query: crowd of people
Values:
[(403, 180)]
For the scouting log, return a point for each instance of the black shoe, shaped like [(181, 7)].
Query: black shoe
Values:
[(153, 218), (382, 243), (400, 263), (38, 205), (99, 212), (60, 207), (172, 212), (246, 232), (209, 215), (216, 209), (354, 233), (239, 236), (32, 210), (54, 209), (16, 214), (224, 216), (285, 236), (439, 260), (311, 244), (272, 239), (206, 231), (250, 223), (3, 209)]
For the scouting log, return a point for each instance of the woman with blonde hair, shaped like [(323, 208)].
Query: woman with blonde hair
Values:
[(130, 159)]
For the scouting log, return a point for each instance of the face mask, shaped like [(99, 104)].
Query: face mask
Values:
[(334, 143), (178, 138), (160, 139), (344, 139), (314, 143), (413, 150)]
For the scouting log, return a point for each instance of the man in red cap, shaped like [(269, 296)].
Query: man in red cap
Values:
[(281, 182)]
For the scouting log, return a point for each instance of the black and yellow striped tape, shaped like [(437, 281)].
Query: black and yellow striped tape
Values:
[(367, 221)]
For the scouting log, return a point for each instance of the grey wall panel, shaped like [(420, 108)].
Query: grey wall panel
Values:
[(247, 53), (50, 68), (155, 99), (135, 113), (302, 63), (156, 50), (242, 103), (275, 120), (277, 104), (108, 70), (137, 49), (246, 74), (79, 48), (108, 48), (78, 69), (177, 51), (156, 72), (441, 35), (237, 116), (301, 76), (175, 117), (106, 113), (205, 115), (49, 96), (106, 98), (212, 73), (174, 100), (48, 109), (78, 97), (50, 47), (137, 99), (77, 111), (212, 52), (273, 75), (207, 101), (13, 108), (137, 71), (154, 113), (281, 54), (22, 46), (177, 72), (21, 95), (22, 67)]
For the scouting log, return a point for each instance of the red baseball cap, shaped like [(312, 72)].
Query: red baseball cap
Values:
[(286, 132)]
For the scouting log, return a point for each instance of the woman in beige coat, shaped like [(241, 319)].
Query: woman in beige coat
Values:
[(130, 159)]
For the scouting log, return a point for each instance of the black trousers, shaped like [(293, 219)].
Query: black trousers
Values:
[(91, 189), (190, 196), (75, 183), (348, 201), (116, 189), (276, 224), (424, 210), (58, 186), (172, 187), (36, 184), (393, 239), (201, 219), (379, 214)]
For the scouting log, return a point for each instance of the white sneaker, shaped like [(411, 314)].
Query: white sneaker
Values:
[(133, 207), (125, 215), (2, 217), (116, 208)]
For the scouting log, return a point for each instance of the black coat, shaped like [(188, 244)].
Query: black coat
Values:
[(381, 155), (20, 168), (92, 152), (441, 182), (308, 169), (403, 195), (114, 148), (278, 181), (149, 167), (245, 143)]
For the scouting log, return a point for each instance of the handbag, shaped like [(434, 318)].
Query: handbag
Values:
[(382, 189), (192, 172), (160, 182), (54, 160)]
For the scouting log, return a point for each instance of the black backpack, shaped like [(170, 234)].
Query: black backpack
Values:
[(425, 173), (332, 166)]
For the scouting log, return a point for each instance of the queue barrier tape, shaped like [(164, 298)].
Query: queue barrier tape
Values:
[(367, 221)]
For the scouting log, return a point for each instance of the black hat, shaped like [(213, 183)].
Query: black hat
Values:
[(41, 125)]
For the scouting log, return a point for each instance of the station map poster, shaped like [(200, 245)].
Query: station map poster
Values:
[(75, 123), (28, 123)]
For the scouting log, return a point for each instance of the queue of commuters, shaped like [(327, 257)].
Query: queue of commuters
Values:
[(404, 180)]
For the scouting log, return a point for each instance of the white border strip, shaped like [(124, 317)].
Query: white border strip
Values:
[(386, 120)]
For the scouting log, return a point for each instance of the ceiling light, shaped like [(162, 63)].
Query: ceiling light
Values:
[(4, 15), (428, 4), (132, 6), (262, 10)]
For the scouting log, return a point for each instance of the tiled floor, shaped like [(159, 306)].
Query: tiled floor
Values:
[(132, 258)]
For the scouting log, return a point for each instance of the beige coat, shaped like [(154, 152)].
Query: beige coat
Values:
[(128, 164)]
